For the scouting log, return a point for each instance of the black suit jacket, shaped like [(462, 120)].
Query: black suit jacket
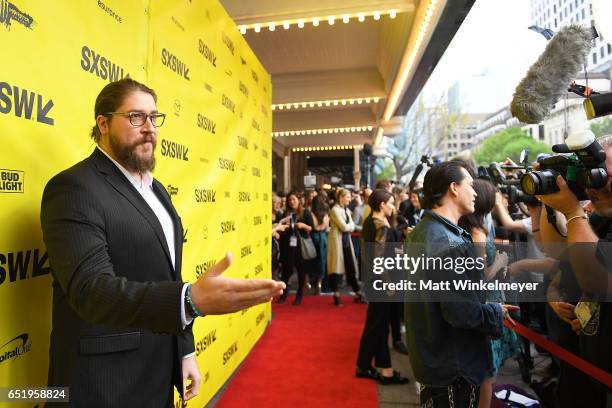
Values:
[(117, 336)]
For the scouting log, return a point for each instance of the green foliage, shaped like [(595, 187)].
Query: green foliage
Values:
[(602, 128), (387, 172), (509, 143)]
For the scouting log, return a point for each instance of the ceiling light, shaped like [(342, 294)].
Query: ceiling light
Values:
[(301, 23), (272, 27), (327, 103), (367, 100), (376, 99), (370, 128), (335, 103), (376, 15), (319, 104), (311, 104), (392, 13), (286, 25), (303, 104), (257, 28), (351, 101), (330, 20), (345, 18), (273, 107), (359, 100), (243, 30), (315, 22), (361, 17), (344, 102)]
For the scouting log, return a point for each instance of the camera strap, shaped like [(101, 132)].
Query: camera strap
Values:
[(551, 217)]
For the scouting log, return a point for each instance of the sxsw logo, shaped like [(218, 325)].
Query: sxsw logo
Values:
[(243, 142), (203, 267), (100, 66), (174, 150), (14, 348), (254, 75), (255, 125), (244, 196), (258, 269), (206, 341), (230, 352), (207, 53), (257, 220), (8, 12), (264, 111), (264, 153), (21, 102), (176, 65), (16, 265), (228, 103), (259, 318), (245, 251), (228, 226), (228, 42), (207, 124), (11, 181), (203, 195), (256, 172), (227, 164), (244, 89)]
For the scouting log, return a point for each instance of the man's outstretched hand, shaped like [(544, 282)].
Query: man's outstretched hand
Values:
[(214, 294)]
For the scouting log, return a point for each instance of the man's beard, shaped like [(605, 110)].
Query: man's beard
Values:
[(129, 159)]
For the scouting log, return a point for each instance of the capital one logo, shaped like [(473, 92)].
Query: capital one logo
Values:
[(14, 348)]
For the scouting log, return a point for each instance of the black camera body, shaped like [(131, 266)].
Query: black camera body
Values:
[(581, 168), (508, 185)]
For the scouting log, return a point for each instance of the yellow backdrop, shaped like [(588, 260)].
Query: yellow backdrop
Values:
[(213, 153)]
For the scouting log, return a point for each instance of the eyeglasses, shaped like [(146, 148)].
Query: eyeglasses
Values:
[(140, 118)]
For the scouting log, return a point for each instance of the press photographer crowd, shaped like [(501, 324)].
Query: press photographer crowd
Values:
[(545, 220)]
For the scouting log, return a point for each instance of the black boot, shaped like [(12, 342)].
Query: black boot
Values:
[(337, 301), (298, 300)]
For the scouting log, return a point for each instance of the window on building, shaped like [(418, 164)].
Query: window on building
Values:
[(554, 9), (594, 58), (583, 13), (609, 49), (602, 52)]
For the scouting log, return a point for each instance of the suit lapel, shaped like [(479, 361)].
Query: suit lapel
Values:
[(161, 193), (125, 188)]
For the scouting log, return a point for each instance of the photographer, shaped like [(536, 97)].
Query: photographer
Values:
[(590, 259)]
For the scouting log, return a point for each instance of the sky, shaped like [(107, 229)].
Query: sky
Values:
[(490, 54)]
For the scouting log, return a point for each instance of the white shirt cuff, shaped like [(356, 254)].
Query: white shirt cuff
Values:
[(189, 355)]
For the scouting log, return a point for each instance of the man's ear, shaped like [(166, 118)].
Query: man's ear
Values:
[(453, 189), (103, 123)]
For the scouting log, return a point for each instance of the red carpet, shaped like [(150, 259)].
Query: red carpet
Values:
[(306, 358)]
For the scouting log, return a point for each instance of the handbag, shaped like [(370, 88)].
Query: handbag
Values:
[(307, 248)]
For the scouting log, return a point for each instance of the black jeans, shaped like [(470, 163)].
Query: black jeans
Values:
[(294, 260), (375, 337), (395, 320), (351, 273), (460, 394)]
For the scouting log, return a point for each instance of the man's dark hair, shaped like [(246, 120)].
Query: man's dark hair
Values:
[(467, 164), (112, 96), (485, 201), (438, 179), (379, 196)]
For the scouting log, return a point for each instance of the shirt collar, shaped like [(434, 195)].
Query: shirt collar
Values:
[(146, 179), (447, 223)]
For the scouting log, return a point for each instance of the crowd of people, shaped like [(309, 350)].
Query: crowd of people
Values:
[(457, 348)]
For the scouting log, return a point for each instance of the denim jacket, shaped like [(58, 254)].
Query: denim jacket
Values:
[(449, 339)]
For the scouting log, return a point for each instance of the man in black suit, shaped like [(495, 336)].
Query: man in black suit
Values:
[(122, 316)]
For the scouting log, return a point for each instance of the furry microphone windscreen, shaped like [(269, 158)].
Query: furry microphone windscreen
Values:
[(548, 79)]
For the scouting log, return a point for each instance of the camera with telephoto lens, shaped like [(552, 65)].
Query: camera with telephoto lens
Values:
[(509, 184), (580, 161)]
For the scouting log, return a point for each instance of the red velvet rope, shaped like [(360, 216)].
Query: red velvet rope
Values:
[(584, 366)]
